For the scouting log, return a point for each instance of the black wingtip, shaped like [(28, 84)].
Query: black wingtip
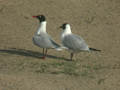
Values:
[(93, 49)]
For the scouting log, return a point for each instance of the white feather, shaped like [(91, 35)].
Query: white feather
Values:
[(66, 31), (42, 28)]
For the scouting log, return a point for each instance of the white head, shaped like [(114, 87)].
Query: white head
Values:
[(66, 29)]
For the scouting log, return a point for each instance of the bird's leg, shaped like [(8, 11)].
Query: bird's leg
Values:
[(43, 53), (71, 56)]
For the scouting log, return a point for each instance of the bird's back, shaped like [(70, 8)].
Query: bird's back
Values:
[(74, 43)]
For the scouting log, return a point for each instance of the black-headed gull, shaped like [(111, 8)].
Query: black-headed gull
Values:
[(41, 38), (72, 42)]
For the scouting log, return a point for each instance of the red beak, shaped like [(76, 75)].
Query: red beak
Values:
[(34, 16)]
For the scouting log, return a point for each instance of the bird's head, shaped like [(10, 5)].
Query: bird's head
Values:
[(65, 26), (41, 18)]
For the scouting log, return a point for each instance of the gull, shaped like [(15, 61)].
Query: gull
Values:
[(42, 39), (72, 42)]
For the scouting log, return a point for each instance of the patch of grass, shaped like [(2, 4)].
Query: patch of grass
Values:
[(67, 68), (84, 73), (97, 67), (57, 64), (86, 66), (43, 68), (75, 68), (70, 69), (100, 81), (56, 72)]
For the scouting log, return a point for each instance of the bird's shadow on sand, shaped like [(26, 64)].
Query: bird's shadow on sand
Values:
[(29, 53)]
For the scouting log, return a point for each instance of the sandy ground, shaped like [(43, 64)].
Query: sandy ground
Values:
[(97, 21)]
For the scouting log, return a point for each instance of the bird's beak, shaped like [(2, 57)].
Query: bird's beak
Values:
[(34, 16)]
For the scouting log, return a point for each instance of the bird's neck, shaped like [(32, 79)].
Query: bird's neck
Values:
[(66, 31), (42, 28)]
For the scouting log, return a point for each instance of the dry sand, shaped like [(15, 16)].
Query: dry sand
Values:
[(97, 21)]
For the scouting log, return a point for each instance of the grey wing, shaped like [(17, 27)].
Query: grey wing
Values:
[(74, 42), (44, 41)]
